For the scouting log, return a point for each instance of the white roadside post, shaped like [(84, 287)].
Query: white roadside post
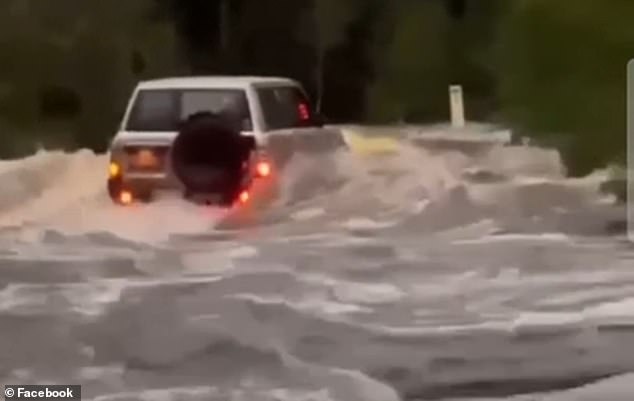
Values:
[(629, 165), (456, 106)]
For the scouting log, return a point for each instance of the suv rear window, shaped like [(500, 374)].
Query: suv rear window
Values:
[(284, 107), (163, 110)]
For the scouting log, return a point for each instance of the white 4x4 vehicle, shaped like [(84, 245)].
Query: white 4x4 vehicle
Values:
[(211, 136)]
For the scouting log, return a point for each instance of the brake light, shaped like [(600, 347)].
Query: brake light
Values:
[(263, 169), (114, 170), (125, 197), (304, 113), (244, 196)]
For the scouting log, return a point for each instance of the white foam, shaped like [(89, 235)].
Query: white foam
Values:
[(585, 295), (296, 395), (167, 394), (542, 237), (342, 384), (436, 330), (207, 262), (366, 293), (243, 252), (22, 374), (49, 181), (89, 298), (361, 223), (613, 312), (99, 373), (621, 309), (66, 191), (546, 319), (85, 298), (312, 304), (308, 214)]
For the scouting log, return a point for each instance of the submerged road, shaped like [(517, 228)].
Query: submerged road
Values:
[(417, 276)]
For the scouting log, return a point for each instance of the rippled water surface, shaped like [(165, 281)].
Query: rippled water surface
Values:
[(426, 275)]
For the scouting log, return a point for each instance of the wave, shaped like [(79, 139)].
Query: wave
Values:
[(417, 185)]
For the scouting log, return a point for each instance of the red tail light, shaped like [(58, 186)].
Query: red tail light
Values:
[(244, 196), (304, 112), (263, 169), (125, 197)]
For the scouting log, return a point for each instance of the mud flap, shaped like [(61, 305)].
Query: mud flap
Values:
[(115, 186)]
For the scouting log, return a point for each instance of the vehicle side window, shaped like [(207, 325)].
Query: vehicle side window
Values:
[(284, 107)]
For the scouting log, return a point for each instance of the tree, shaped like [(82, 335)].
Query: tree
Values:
[(328, 20), (563, 75), (70, 66), (456, 8)]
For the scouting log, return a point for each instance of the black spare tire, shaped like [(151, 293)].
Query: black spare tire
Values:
[(208, 155)]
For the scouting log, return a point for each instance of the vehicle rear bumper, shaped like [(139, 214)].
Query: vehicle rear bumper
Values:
[(141, 186), (145, 186), (150, 181)]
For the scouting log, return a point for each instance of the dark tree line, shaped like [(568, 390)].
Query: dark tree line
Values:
[(555, 70)]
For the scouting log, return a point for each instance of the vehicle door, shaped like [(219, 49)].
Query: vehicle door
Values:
[(289, 123)]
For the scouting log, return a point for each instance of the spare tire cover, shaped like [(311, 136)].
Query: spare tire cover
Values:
[(207, 154)]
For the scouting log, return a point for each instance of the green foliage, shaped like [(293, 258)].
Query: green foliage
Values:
[(563, 75), (555, 70), (327, 21), (332, 17), (415, 54), (427, 52), (77, 53)]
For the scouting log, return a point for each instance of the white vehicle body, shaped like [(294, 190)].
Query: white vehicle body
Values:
[(279, 141)]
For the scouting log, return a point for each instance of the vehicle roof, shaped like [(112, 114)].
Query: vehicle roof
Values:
[(237, 82)]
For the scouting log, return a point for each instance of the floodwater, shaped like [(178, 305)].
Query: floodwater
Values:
[(424, 275)]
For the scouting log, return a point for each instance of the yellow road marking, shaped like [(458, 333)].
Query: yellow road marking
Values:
[(365, 145)]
